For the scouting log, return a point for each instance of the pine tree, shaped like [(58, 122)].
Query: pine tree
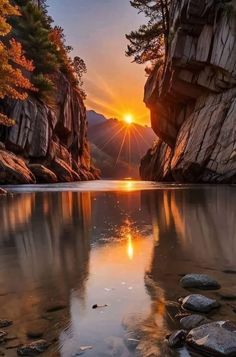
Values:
[(45, 45), (13, 83), (150, 41)]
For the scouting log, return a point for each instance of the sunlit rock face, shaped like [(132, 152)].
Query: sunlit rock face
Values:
[(193, 101), (51, 141)]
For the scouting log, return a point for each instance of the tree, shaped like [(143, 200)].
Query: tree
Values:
[(150, 41), (46, 46), (13, 83)]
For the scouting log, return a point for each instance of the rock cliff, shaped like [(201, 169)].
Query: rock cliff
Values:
[(46, 144), (193, 100)]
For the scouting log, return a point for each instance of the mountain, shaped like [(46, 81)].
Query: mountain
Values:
[(95, 118), (116, 147)]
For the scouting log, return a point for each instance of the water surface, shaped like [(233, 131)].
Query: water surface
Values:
[(124, 244)]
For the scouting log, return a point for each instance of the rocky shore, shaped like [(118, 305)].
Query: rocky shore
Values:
[(203, 334), (46, 144), (192, 99)]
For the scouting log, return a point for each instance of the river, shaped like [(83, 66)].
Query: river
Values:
[(124, 244)]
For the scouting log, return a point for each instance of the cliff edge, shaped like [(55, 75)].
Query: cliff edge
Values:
[(47, 144), (193, 100)]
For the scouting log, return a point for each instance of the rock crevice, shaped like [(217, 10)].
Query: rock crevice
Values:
[(193, 101), (47, 143)]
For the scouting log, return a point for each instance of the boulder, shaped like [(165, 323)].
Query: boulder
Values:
[(199, 303), (13, 170), (62, 170), (42, 174), (199, 281), (214, 339)]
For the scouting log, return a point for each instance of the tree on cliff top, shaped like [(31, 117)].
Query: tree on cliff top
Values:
[(45, 45), (150, 41), (13, 83)]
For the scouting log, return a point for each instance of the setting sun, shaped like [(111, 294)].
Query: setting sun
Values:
[(128, 118)]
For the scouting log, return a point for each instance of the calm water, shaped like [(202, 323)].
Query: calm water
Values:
[(124, 244)]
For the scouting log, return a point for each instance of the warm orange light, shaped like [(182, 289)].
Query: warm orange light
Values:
[(130, 248), (128, 118)]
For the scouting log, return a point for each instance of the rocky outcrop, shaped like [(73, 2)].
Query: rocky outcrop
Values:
[(193, 99), (46, 144)]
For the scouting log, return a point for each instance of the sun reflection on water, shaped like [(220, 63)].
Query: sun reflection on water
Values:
[(130, 247)]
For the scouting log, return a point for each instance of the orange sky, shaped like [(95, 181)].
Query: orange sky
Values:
[(96, 29)]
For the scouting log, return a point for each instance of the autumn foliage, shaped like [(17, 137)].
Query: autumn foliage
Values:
[(13, 83)]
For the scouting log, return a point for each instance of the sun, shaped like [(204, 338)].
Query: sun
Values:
[(128, 118)]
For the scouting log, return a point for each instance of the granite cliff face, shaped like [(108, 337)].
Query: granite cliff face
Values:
[(193, 100), (46, 144)]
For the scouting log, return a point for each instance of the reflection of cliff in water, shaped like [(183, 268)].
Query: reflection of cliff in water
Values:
[(45, 239), (197, 224), (192, 229)]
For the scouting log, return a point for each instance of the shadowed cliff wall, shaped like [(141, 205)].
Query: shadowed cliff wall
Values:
[(193, 100)]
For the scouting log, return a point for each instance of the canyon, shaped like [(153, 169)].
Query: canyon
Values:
[(193, 99)]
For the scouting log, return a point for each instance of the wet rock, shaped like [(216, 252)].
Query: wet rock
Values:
[(33, 348), (5, 323), (199, 303), (177, 339), (43, 174), (214, 339), (192, 321), (199, 281), (2, 191)]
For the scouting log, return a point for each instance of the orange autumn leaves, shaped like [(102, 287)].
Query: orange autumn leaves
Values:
[(13, 83)]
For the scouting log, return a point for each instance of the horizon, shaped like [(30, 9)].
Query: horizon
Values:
[(119, 119), (96, 31)]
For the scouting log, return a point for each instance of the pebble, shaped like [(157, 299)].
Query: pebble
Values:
[(192, 321), (177, 339), (199, 281), (199, 303)]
